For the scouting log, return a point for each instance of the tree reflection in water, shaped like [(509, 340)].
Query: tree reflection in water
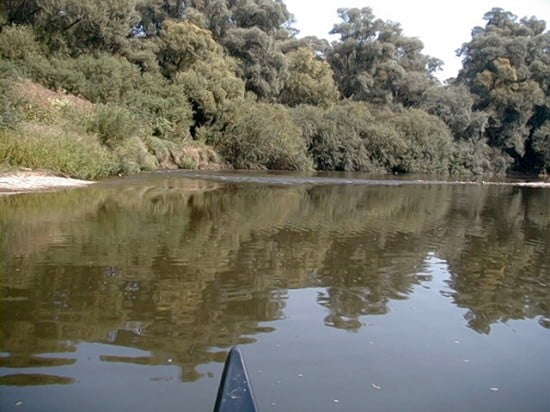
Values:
[(185, 272)]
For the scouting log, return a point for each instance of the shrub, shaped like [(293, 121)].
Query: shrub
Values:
[(310, 80), (334, 136), (384, 145), (9, 110), (134, 157), (262, 135), (541, 147), (18, 42), (99, 78), (478, 158), (188, 155), (160, 104), (356, 136), (55, 73), (163, 105), (113, 125), (427, 142)]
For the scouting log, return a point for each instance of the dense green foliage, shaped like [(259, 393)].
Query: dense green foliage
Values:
[(310, 80), (248, 144), (356, 136), (160, 76), (373, 57), (507, 68)]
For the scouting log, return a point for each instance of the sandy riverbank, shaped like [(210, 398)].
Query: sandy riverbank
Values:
[(33, 181)]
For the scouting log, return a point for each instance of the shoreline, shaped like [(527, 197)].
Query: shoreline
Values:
[(23, 181), (29, 181)]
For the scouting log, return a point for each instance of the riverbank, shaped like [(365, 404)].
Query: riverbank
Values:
[(36, 181), (24, 181)]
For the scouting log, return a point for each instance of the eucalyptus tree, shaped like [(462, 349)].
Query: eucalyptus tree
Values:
[(310, 80), (454, 105), (182, 43), (506, 65), (20, 11), (267, 15), (319, 46), (213, 15), (77, 26), (190, 57), (253, 38), (216, 15), (249, 31), (261, 62), (373, 58)]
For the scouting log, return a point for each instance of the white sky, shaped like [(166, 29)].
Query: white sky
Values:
[(441, 25)]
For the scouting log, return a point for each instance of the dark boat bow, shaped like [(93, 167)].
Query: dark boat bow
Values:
[(235, 392)]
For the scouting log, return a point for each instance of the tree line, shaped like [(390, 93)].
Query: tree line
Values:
[(232, 79)]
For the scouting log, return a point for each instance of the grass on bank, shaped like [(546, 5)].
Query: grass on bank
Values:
[(67, 134), (67, 153)]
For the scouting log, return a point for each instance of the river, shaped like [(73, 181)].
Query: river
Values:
[(344, 292)]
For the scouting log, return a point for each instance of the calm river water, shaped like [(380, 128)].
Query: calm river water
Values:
[(343, 294)]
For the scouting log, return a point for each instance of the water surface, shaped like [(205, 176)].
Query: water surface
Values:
[(345, 293)]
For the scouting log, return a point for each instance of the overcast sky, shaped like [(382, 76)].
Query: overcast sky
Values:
[(441, 25)]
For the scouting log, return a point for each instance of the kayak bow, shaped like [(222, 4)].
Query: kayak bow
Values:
[(235, 392)]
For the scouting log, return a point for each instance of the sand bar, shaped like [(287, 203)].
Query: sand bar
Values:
[(32, 181)]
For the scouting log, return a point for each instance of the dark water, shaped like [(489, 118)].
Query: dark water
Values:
[(360, 296)]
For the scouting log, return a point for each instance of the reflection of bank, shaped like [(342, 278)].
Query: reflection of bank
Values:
[(374, 274), (185, 275), (98, 374), (500, 265)]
